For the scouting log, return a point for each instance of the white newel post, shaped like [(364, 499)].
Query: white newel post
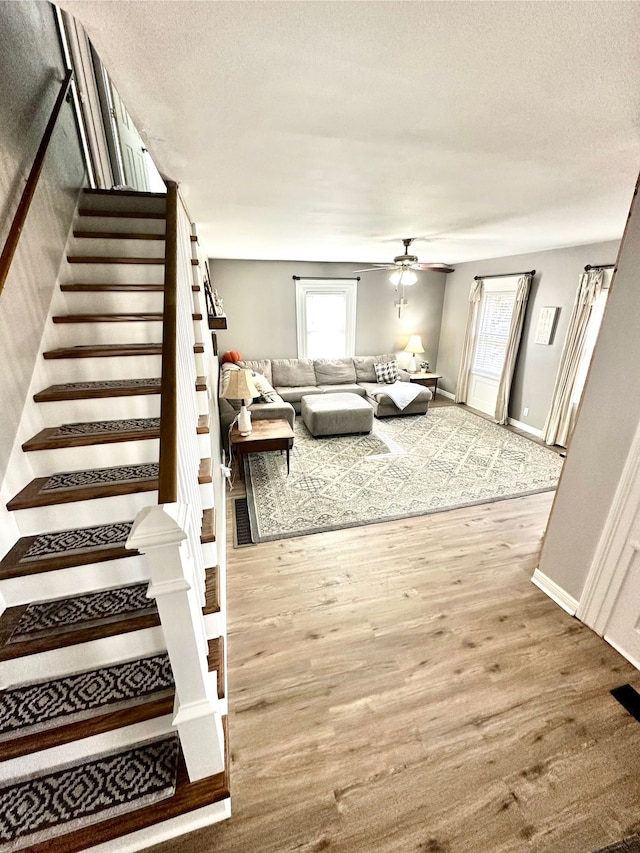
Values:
[(159, 532)]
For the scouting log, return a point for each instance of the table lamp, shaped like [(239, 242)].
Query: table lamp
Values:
[(414, 345), (241, 387)]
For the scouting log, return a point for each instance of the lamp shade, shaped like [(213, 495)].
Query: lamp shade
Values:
[(414, 344), (240, 386)]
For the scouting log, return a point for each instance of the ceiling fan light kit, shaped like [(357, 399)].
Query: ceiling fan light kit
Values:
[(403, 274)]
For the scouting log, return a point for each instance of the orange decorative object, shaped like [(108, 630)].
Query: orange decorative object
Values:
[(231, 357)]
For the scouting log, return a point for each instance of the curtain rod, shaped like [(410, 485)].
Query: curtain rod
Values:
[(325, 278), (599, 267), (504, 275)]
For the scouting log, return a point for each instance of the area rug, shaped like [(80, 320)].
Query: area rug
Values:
[(412, 465)]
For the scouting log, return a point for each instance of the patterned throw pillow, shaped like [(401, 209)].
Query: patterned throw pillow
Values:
[(267, 393), (386, 373)]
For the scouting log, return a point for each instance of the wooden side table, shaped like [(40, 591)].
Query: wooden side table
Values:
[(429, 380), (265, 435)]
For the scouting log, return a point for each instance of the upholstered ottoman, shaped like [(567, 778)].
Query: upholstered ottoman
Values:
[(336, 414)]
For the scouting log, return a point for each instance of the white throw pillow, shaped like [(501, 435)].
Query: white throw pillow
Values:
[(265, 389)]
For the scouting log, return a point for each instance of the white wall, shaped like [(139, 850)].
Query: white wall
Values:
[(606, 425), (555, 283), (31, 71), (259, 300)]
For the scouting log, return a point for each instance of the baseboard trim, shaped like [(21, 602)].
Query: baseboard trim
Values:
[(525, 427), (447, 394), (555, 592)]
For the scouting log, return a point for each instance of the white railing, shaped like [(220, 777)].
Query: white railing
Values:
[(170, 533)]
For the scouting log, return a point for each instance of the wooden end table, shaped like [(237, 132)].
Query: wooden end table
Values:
[(429, 380), (265, 435)]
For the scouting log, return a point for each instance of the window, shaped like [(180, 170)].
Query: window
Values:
[(593, 330), (326, 317), (493, 331)]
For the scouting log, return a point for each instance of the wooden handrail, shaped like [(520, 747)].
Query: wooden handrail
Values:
[(168, 472), (20, 216)]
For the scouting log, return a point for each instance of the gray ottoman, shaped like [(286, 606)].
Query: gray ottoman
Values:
[(336, 414)]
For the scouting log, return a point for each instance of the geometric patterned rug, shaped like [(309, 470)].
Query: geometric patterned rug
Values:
[(86, 792), (407, 466), (629, 845), (34, 707)]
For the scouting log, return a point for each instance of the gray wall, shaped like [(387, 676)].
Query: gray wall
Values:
[(605, 429), (555, 283), (31, 70), (259, 300)]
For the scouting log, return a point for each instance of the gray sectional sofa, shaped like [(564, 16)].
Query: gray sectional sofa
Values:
[(294, 378)]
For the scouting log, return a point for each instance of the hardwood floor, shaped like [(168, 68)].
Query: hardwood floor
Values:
[(405, 687)]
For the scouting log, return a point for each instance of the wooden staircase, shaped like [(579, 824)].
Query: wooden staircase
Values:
[(85, 681)]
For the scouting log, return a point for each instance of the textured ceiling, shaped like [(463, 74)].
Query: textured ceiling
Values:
[(330, 130)]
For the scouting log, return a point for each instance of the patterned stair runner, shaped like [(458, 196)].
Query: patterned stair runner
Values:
[(94, 432)]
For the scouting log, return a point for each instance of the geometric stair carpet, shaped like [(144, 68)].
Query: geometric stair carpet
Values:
[(79, 540), (86, 792), (42, 705), (46, 618), (407, 466)]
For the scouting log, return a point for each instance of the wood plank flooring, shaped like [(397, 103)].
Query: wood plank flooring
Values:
[(405, 687)]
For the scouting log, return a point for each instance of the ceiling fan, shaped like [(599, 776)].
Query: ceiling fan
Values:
[(405, 264)]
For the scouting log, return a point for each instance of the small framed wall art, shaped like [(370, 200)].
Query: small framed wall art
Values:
[(547, 324)]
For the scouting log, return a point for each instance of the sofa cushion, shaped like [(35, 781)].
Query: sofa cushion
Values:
[(295, 394), (262, 366), (387, 372), (289, 372), (364, 365), (334, 371), (342, 389)]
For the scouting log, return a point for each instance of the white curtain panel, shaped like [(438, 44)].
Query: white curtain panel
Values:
[(513, 344), (462, 386), (557, 428)]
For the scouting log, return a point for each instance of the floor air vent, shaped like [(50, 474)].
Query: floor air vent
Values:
[(242, 523)]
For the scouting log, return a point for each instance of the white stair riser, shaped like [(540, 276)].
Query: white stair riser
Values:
[(116, 247), (119, 224), (78, 750), (82, 513), (122, 203), (100, 409), (63, 583), (110, 302), (61, 370), (101, 273), (91, 655), (46, 462), (128, 332)]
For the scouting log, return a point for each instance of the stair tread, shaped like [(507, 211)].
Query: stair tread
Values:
[(208, 530), (117, 235), (94, 432), (216, 662), (104, 350), (139, 317), (111, 259), (188, 796), (39, 715), (111, 288), (212, 591), (98, 389), (69, 486), (204, 471), (62, 549), (29, 629), (125, 214)]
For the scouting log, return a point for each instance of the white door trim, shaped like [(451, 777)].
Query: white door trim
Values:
[(610, 562)]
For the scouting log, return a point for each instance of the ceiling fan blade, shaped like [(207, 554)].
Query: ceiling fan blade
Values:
[(435, 267), (373, 269)]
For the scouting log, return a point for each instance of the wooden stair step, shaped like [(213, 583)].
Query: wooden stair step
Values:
[(203, 422), (70, 486), (62, 549), (29, 629), (103, 259), (189, 796), (99, 389), (212, 591), (94, 432), (117, 235), (104, 350), (204, 472), (112, 288), (115, 214), (208, 530), (216, 662), (40, 715), (149, 317)]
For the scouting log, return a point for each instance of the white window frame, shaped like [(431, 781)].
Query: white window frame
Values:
[(348, 287), (504, 284)]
